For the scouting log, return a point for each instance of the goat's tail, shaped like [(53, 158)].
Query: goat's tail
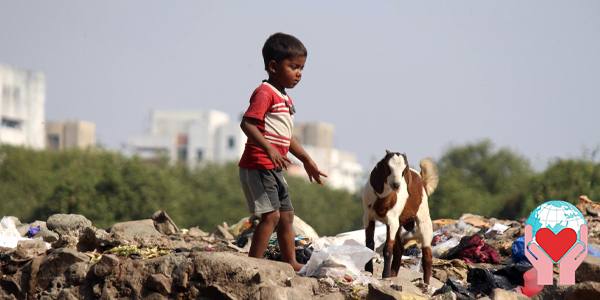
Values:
[(429, 174)]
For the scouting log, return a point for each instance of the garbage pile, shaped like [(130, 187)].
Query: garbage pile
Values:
[(66, 257), (474, 257)]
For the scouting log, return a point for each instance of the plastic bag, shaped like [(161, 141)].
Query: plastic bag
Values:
[(518, 250), (330, 258), (9, 235), (442, 248)]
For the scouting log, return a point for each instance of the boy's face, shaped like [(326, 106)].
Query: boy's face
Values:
[(288, 72)]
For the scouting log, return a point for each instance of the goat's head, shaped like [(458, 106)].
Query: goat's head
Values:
[(388, 175)]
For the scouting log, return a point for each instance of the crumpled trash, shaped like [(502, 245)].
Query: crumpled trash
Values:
[(454, 286), (33, 230), (303, 249), (473, 249), (440, 249), (333, 258), (518, 250), (497, 229), (413, 250), (9, 235)]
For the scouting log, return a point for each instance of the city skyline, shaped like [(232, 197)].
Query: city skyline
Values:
[(411, 77)]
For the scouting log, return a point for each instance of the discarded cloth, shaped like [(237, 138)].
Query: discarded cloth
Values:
[(484, 281), (461, 292), (473, 249)]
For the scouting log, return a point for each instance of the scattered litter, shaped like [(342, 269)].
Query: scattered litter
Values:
[(332, 259), (498, 228), (473, 249), (442, 248), (134, 251), (452, 285), (9, 235), (33, 230)]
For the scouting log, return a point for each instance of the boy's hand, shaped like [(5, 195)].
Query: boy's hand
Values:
[(279, 160), (313, 172)]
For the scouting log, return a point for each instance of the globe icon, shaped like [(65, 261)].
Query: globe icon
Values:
[(555, 215)]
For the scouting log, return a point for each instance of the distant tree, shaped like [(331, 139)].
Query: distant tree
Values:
[(478, 179)]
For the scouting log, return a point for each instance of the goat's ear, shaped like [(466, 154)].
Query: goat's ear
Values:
[(407, 176), (387, 151), (377, 178)]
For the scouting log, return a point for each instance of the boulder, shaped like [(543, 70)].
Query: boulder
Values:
[(382, 292), (52, 268), (30, 248), (233, 274), (140, 233), (67, 223), (163, 223), (159, 283)]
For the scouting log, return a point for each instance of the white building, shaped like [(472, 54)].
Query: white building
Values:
[(190, 137), (22, 97)]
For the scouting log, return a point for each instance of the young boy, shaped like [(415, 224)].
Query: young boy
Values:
[(268, 124)]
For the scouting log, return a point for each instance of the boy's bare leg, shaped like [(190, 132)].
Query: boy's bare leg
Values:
[(262, 233), (285, 237)]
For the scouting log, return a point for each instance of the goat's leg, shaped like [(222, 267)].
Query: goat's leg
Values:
[(393, 224), (398, 251), (426, 232), (370, 241), (426, 261)]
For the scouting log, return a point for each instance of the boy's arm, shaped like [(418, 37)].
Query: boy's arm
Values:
[(248, 126), (309, 165)]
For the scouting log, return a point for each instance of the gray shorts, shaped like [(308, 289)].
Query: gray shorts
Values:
[(265, 190)]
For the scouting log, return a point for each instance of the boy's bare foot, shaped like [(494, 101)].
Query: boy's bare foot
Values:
[(297, 266)]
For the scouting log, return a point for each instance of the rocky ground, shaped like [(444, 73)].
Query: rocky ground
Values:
[(154, 259)]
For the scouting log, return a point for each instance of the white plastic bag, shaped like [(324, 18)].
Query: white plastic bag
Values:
[(330, 258), (9, 235)]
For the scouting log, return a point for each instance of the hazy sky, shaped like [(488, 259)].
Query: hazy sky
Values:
[(413, 77)]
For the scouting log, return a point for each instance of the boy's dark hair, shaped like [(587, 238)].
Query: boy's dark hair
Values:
[(280, 46)]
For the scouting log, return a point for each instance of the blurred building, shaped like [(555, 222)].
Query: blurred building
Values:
[(22, 97), (342, 168), (62, 135), (190, 137)]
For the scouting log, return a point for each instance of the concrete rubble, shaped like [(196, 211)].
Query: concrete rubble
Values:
[(155, 259)]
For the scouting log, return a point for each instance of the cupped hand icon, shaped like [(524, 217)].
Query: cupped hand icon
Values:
[(538, 258)]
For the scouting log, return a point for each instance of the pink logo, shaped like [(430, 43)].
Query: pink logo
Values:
[(561, 237)]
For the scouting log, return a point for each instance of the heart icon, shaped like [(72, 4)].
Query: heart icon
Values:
[(556, 245)]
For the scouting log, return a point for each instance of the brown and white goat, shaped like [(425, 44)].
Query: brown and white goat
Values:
[(397, 196)]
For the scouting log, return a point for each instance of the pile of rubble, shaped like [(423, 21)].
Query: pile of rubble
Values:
[(66, 257)]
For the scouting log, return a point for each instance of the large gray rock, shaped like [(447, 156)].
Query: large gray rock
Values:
[(500, 294), (244, 274), (282, 293), (66, 223), (163, 223), (54, 266), (141, 233), (384, 292), (30, 248)]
